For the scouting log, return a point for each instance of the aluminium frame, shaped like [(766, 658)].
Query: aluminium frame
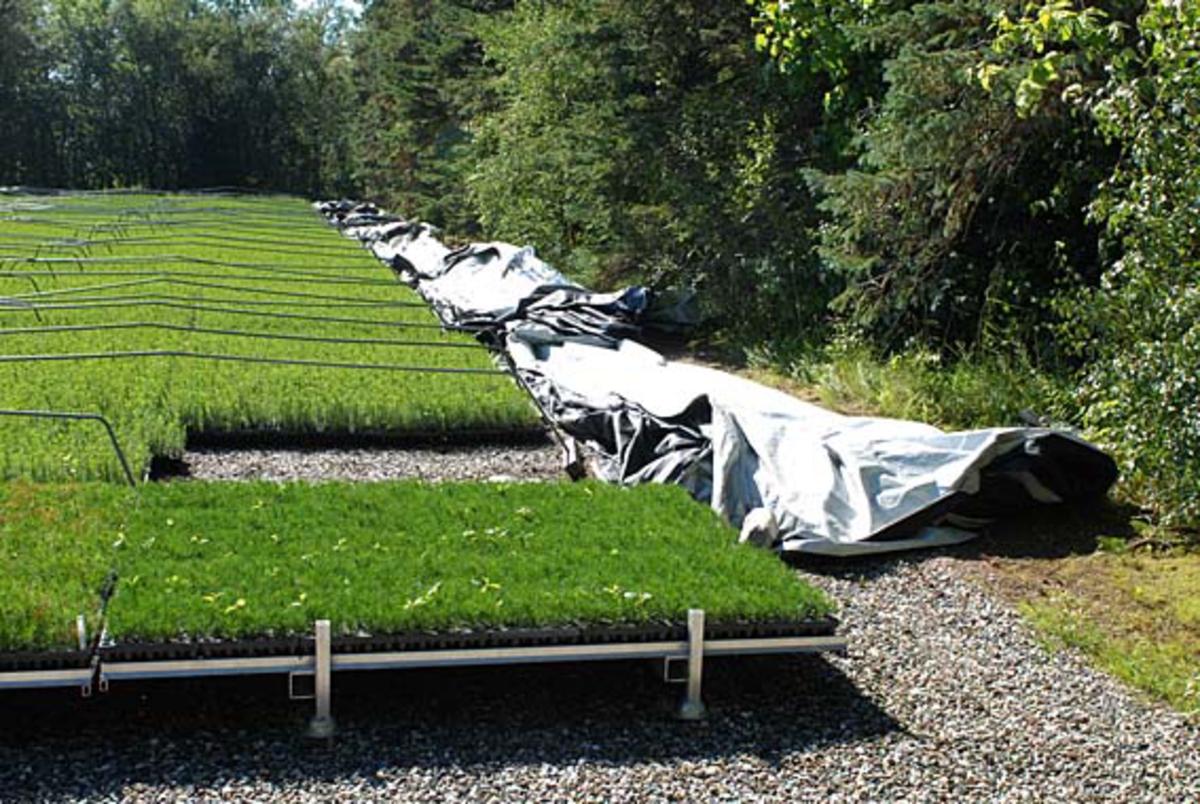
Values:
[(324, 662)]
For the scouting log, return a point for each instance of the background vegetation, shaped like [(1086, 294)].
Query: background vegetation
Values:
[(991, 202)]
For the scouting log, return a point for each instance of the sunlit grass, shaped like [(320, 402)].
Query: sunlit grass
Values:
[(168, 265), (201, 560)]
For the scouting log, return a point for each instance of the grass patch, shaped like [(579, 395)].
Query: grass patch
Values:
[(207, 560), (55, 559), (263, 278), (984, 390)]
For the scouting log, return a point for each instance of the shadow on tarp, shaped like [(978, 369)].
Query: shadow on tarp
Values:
[(202, 733)]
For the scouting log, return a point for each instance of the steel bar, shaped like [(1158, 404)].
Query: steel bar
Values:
[(157, 259), (32, 679), (191, 283), (83, 302), (270, 361), (199, 240), (281, 276), (321, 726), (236, 333), (71, 416), (224, 310), (468, 657)]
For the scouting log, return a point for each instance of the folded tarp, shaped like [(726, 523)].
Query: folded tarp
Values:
[(790, 474), (413, 250), (806, 479), (485, 284)]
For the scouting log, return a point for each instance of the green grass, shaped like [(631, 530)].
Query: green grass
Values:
[(982, 390), (55, 557), (195, 274), (1138, 617), (235, 561)]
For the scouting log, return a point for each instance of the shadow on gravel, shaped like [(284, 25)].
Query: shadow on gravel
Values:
[(1054, 531), (1039, 533), (204, 734)]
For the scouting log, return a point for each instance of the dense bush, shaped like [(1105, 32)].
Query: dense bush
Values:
[(1027, 179), (174, 94), (1140, 329)]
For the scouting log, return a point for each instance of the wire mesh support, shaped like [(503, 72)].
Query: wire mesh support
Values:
[(266, 361), (87, 417)]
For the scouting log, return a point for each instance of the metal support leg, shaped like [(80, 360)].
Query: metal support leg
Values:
[(693, 707), (321, 726)]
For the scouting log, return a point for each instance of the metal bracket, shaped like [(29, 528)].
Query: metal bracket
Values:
[(674, 670), (692, 707), (310, 689)]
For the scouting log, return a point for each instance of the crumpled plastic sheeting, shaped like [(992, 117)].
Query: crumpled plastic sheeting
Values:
[(830, 484), (792, 475), (413, 250), (483, 286)]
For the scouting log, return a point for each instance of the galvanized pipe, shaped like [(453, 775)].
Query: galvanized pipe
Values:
[(270, 361), (70, 416)]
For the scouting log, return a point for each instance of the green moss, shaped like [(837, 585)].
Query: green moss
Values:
[(1136, 618)]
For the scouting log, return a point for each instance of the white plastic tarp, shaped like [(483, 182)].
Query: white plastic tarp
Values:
[(828, 483)]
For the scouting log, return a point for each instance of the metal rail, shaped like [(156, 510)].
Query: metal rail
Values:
[(82, 302), (284, 276), (70, 416), (34, 679), (271, 361), (198, 239), (156, 259), (203, 308), (324, 662), (236, 333), (191, 283)]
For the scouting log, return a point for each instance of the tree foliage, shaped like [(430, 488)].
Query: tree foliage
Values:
[(174, 93), (1003, 178)]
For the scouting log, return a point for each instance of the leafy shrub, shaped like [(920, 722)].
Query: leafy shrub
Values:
[(1141, 327)]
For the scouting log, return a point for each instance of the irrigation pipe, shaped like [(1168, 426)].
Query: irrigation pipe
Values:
[(189, 283), (270, 361), (34, 308), (288, 277), (93, 417), (159, 258), (236, 333)]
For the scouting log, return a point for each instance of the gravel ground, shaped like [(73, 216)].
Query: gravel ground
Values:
[(476, 462), (945, 696)]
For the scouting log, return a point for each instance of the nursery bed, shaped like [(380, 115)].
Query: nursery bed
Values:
[(177, 315), (190, 564), (201, 578)]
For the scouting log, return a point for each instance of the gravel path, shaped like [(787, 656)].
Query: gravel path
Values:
[(476, 462), (945, 696)]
